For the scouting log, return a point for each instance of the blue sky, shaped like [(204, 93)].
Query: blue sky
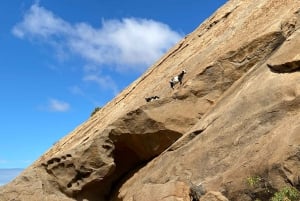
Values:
[(62, 58), (8, 174)]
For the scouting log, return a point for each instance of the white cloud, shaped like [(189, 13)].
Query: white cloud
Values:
[(58, 106), (39, 22), (103, 81), (127, 43)]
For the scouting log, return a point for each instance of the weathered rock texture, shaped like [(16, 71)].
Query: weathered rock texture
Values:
[(236, 117)]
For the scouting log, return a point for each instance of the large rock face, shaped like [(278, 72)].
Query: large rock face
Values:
[(231, 131)]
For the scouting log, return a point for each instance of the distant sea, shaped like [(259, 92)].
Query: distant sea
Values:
[(7, 175)]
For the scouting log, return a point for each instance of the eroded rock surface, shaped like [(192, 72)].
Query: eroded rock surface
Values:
[(283, 62), (214, 196), (234, 119)]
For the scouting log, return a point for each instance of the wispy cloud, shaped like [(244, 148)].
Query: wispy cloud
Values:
[(126, 43), (40, 22), (55, 105), (6, 175), (103, 81), (93, 74), (58, 106), (76, 90)]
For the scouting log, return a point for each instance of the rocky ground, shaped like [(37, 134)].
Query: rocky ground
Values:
[(231, 131)]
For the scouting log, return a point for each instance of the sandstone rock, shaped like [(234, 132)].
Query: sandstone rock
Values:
[(213, 196), (170, 191), (236, 116), (283, 62)]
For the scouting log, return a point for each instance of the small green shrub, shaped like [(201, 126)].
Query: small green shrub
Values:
[(253, 181), (286, 194), (95, 110)]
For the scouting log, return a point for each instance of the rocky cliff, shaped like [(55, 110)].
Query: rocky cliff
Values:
[(230, 131)]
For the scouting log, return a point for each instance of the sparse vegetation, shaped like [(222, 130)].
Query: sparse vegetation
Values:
[(95, 110), (287, 194), (262, 190), (253, 181)]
